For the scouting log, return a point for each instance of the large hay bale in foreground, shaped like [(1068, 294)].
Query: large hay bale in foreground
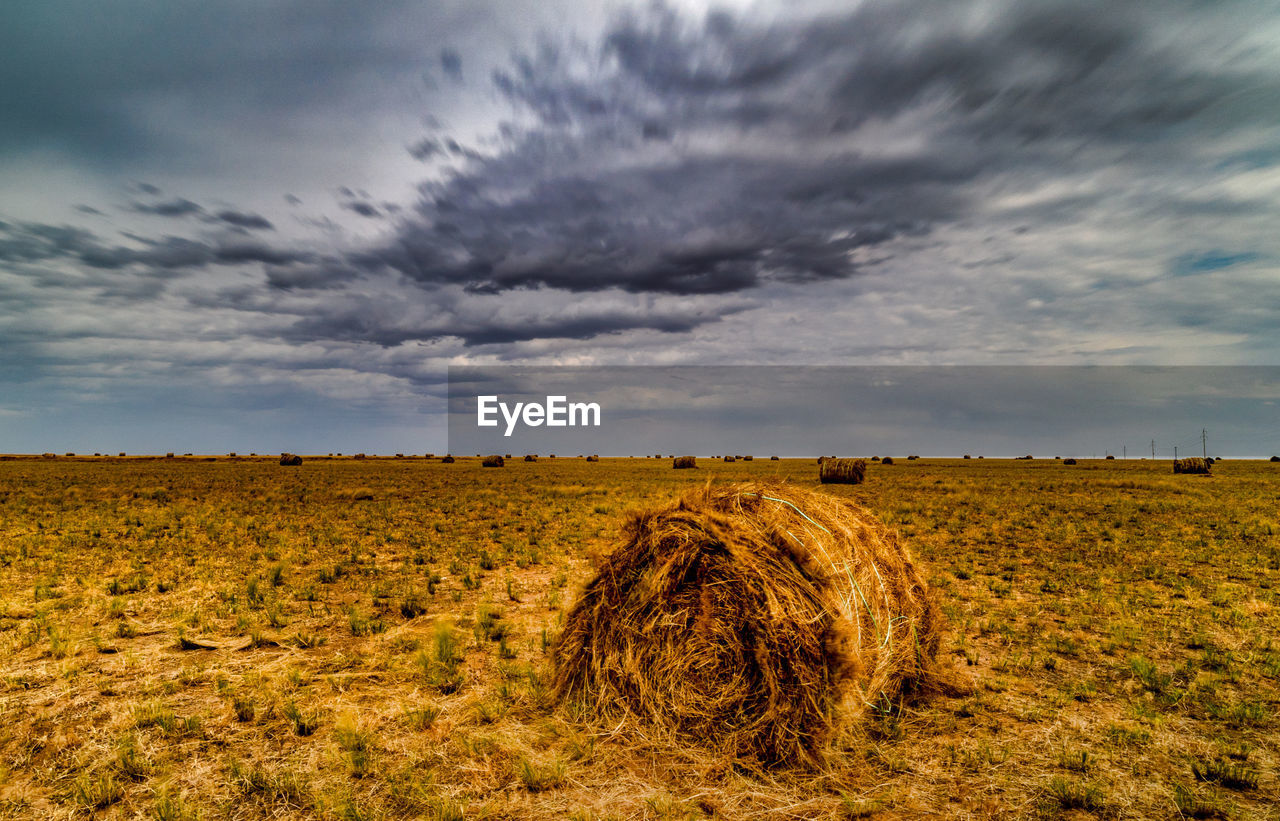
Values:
[(1193, 464), (291, 459), (493, 461), (757, 620), (1274, 459), (888, 460), (842, 471), (681, 462)]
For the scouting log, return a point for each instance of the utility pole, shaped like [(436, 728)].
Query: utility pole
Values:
[(1175, 453), (1126, 451), (1153, 448), (1204, 443)]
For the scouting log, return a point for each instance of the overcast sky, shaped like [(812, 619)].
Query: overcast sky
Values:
[(273, 225)]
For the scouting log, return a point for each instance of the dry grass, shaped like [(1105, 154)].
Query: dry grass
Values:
[(387, 657)]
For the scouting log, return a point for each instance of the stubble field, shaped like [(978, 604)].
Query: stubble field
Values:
[(367, 639)]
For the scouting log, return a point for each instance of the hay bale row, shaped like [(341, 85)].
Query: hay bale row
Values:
[(756, 620), (290, 459), (684, 462), (842, 471), (1193, 464)]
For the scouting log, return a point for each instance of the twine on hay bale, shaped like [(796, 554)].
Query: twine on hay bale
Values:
[(842, 471), (759, 620)]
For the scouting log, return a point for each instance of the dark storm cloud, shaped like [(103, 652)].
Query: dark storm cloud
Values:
[(701, 158), (386, 328), (239, 219), (362, 208), (451, 64), (782, 199), (37, 242), (179, 207)]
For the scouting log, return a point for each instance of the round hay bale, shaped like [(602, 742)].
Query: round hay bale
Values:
[(531, 457), (1274, 459), (493, 461), (593, 458), (728, 458), (1193, 464), (773, 458), (913, 457), (683, 462), (290, 459), (447, 460), (1110, 457), (888, 460), (842, 471), (758, 620), (1068, 461)]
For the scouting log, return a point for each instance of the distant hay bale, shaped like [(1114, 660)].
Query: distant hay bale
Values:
[(967, 456), (758, 620), (748, 458), (531, 457), (508, 456), (842, 471), (290, 459), (1111, 457), (1274, 459), (888, 460), (122, 453), (358, 456), (1068, 461), (773, 458), (1193, 464), (447, 460), (875, 458), (657, 456), (683, 462), (913, 457), (493, 461), (168, 455), (728, 458), (593, 458)]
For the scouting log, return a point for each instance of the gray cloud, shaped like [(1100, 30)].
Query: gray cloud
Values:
[(967, 181), (239, 219), (178, 207)]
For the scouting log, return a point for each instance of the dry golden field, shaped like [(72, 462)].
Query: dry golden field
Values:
[(366, 639)]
